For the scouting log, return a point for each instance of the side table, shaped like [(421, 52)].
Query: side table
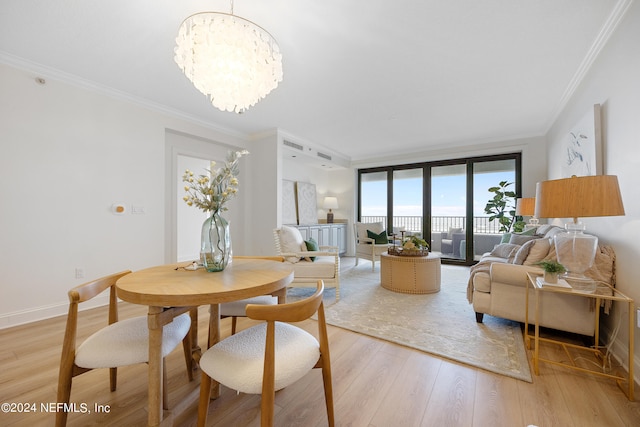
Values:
[(604, 292), (410, 274)]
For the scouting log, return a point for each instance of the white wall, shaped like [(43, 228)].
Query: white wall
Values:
[(67, 155), (614, 82)]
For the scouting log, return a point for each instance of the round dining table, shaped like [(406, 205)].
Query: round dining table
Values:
[(172, 289)]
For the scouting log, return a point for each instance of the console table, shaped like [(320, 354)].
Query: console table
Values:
[(334, 234), (604, 292), (410, 274)]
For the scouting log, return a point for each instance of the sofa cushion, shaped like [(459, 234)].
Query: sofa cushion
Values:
[(324, 267), (504, 250), (482, 282)]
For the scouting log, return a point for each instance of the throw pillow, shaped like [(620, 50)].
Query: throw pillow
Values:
[(525, 250), (543, 229), (519, 239), (291, 241), (538, 251), (529, 232), (312, 245), (380, 239), (453, 230), (503, 250)]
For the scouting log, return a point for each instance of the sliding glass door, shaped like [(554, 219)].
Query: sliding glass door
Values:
[(373, 197), (407, 201), (443, 201), (449, 210), (487, 234)]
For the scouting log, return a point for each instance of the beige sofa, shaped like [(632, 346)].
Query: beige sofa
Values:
[(498, 283)]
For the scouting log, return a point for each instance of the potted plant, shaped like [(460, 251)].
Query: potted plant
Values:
[(502, 206), (551, 270), (415, 242)]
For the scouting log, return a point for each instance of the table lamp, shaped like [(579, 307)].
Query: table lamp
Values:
[(584, 196), (526, 207), (330, 203)]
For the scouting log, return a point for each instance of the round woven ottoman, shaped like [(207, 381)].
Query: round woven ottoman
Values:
[(410, 274)]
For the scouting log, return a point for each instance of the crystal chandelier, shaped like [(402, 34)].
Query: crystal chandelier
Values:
[(233, 61)]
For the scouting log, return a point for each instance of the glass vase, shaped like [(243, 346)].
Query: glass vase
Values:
[(215, 249)]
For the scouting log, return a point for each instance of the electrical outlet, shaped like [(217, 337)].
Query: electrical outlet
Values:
[(79, 273)]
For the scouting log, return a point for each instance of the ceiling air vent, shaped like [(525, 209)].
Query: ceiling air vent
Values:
[(293, 145), (324, 156)]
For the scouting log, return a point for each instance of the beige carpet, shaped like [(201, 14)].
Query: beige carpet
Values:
[(442, 324)]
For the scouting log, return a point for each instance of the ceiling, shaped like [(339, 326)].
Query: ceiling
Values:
[(362, 78)]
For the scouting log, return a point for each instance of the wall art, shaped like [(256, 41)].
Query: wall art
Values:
[(582, 150)]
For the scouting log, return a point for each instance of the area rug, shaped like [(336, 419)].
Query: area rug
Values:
[(441, 324)]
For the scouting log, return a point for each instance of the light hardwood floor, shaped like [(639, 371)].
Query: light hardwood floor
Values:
[(376, 383)]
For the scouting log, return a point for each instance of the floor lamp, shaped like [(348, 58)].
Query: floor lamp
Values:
[(577, 197)]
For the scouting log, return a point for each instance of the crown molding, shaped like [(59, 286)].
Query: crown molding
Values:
[(76, 81), (609, 27)]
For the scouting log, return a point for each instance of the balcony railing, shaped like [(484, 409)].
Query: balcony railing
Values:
[(481, 224)]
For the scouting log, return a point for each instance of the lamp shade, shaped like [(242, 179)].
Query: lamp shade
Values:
[(330, 203), (576, 197), (526, 206)]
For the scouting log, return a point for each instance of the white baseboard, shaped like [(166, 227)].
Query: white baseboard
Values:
[(16, 318)]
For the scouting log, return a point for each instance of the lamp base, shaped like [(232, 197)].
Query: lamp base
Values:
[(329, 217), (575, 250)]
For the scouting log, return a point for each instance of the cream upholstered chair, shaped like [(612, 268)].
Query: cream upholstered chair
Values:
[(308, 266), (366, 247), (270, 356), (121, 343), (235, 309)]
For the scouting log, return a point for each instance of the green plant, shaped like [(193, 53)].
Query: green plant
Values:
[(518, 226), (414, 242), (551, 266), (502, 206)]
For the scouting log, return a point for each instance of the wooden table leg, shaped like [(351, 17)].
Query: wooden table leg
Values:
[(155, 366), (214, 337), (282, 295)]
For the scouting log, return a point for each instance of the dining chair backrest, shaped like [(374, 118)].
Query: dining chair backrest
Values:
[(119, 343), (237, 309), (234, 361)]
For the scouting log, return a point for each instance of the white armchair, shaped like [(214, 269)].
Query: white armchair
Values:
[(308, 266), (366, 247)]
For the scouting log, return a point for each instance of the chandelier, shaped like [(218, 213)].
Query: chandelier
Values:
[(233, 61)]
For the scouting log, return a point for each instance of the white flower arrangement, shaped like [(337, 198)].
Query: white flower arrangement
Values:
[(211, 192)]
